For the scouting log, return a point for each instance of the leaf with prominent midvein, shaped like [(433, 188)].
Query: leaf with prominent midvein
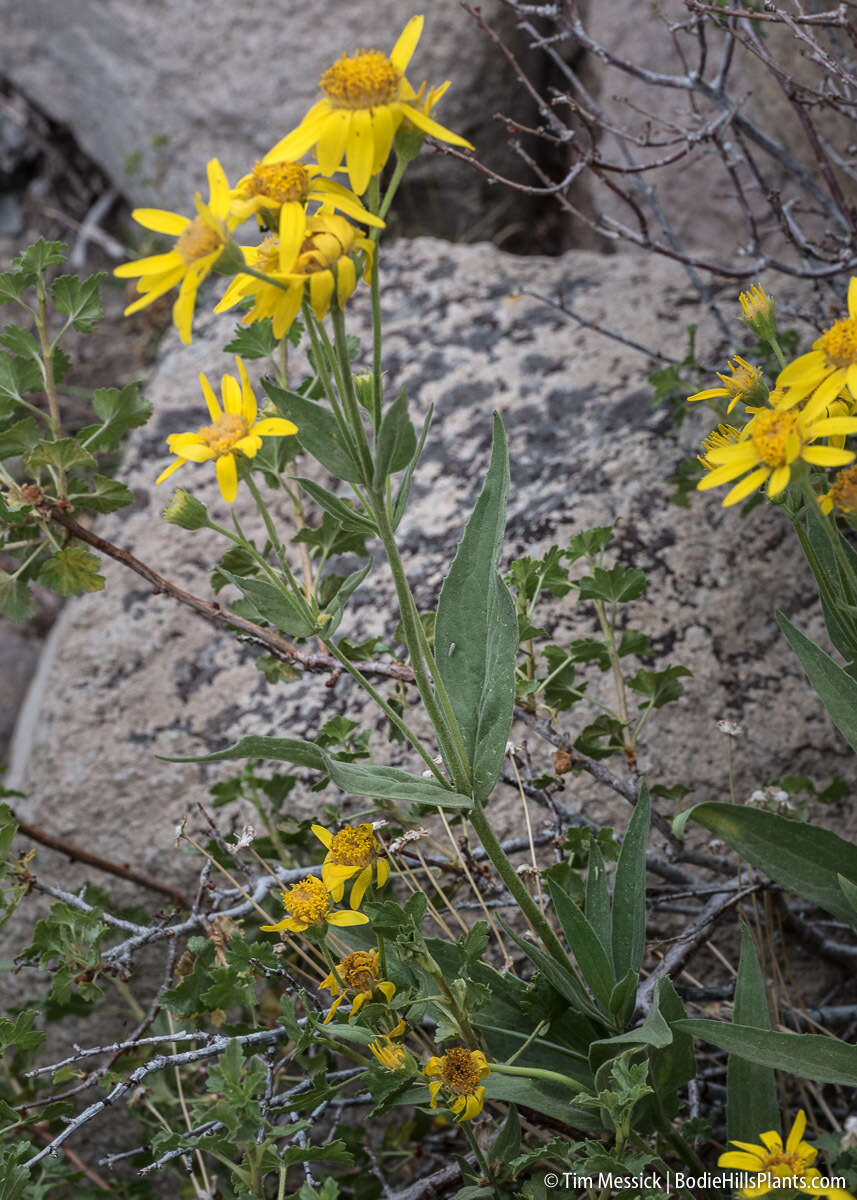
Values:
[(629, 891), (585, 946), (751, 1089), (476, 631), (801, 857), (836, 688), (361, 779), (318, 431), (806, 1055)]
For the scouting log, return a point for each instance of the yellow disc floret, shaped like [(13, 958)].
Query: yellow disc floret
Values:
[(282, 182), (776, 438), (222, 435), (843, 492), (839, 342), (197, 241), (361, 80), (307, 901), (354, 846)]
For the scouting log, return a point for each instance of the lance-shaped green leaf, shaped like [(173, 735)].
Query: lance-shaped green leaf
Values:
[(821, 556), (801, 857), (838, 691), (336, 606), (318, 431), (585, 946), (751, 1088), (397, 440), (273, 605), (360, 779), (629, 891), (849, 890), (347, 517), (597, 904), (476, 631), (564, 980), (806, 1055)]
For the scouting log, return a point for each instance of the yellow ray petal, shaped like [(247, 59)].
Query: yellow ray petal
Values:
[(852, 298), (292, 230), (359, 150), (231, 395), (154, 264), (159, 220), (827, 456), (227, 477), (249, 446), (779, 480), (332, 140), (249, 410), (427, 125), (746, 486), (274, 427), (165, 284), (707, 394), (218, 187), (295, 144), (347, 918), (323, 835), (320, 291), (184, 306), (808, 366), (174, 466), (346, 280), (358, 888), (383, 871), (406, 44), (383, 131), (210, 398)]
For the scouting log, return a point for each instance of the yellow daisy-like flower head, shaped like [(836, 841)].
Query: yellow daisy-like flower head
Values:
[(353, 851), (271, 186), (361, 980), (391, 1056), (200, 242), (772, 1160), (366, 98), (458, 1075), (769, 446), (234, 429), (744, 383), (315, 252), (308, 906), (843, 494), (832, 362)]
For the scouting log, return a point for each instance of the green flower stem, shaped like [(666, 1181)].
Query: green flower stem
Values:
[(349, 395), (608, 629), (539, 1073), (448, 736), (245, 544), (393, 186), (777, 349), (375, 287), (481, 1160), (468, 1034), (514, 883), (389, 713), (275, 542), (331, 962)]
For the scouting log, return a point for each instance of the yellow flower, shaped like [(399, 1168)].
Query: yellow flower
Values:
[(361, 980), (366, 97), (769, 446), (310, 250), (389, 1055), (832, 362), (271, 187), (458, 1074), (723, 435), (200, 241), (234, 429), (772, 1160), (842, 494), (308, 906), (353, 851), (744, 383)]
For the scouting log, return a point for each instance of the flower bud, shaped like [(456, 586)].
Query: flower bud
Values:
[(757, 311), (185, 511), (408, 141)]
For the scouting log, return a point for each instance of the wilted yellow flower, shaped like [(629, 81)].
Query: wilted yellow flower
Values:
[(200, 241), (770, 444), (842, 494), (233, 430), (308, 906), (458, 1075), (271, 187), (792, 1162), (389, 1055), (832, 362), (353, 851), (360, 978), (366, 97), (321, 257), (744, 383)]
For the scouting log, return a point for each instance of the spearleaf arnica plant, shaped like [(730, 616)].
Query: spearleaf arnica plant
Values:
[(390, 998)]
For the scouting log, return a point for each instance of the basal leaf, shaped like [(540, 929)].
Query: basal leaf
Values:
[(835, 687), (629, 891), (751, 1088), (585, 945), (805, 1055)]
